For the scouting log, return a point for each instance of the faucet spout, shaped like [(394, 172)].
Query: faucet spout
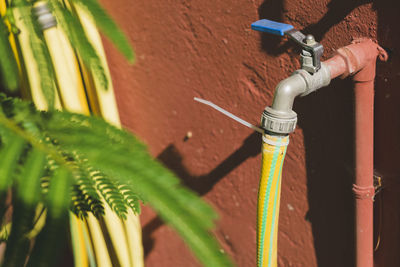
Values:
[(286, 91), (280, 117)]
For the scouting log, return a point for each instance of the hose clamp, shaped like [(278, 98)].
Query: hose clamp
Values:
[(278, 122)]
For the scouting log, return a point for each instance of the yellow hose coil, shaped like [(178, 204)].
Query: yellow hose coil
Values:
[(100, 95), (273, 155), (30, 72), (88, 236), (77, 238), (73, 97)]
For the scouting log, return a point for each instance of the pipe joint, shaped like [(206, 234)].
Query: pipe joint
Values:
[(357, 59), (280, 118), (363, 192)]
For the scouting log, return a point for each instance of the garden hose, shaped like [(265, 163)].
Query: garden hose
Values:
[(31, 84), (78, 242), (98, 243), (269, 192), (69, 81), (79, 91), (101, 96), (102, 99), (273, 155)]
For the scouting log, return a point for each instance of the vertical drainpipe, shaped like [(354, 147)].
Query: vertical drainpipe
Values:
[(359, 60), (363, 187)]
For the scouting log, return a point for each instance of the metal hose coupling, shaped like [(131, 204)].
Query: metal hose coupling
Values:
[(44, 16), (278, 123), (280, 117)]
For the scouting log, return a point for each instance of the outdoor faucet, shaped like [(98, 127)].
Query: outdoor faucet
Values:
[(280, 118)]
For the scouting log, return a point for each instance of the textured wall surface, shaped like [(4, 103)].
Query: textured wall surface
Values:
[(206, 48)]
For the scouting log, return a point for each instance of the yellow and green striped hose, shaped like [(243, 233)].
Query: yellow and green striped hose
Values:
[(273, 154), (78, 90)]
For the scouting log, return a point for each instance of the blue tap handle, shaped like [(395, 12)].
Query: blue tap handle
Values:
[(270, 26), (309, 45)]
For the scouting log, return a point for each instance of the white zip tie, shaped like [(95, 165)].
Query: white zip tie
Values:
[(230, 115)]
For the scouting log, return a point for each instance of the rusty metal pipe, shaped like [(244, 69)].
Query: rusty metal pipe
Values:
[(359, 60)]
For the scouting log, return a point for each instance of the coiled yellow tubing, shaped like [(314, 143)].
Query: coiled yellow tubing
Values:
[(88, 240), (273, 155)]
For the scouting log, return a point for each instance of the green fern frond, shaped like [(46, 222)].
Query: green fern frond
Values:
[(85, 197), (130, 197), (110, 193), (127, 161), (84, 203), (82, 175), (116, 158), (127, 153), (79, 205), (44, 184)]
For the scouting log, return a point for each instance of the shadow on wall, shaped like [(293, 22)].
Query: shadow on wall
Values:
[(327, 122), (202, 184), (387, 132), (273, 10)]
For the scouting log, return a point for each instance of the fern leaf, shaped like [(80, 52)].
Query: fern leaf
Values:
[(108, 27), (85, 196), (44, 184), (131, 198), (127, 161), (79, 205), (8, 65), (94, 205), (110, 192), (116, 157), (126, 151), (84, 200)]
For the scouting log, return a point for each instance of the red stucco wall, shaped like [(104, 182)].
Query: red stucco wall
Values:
[(206, 48)]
